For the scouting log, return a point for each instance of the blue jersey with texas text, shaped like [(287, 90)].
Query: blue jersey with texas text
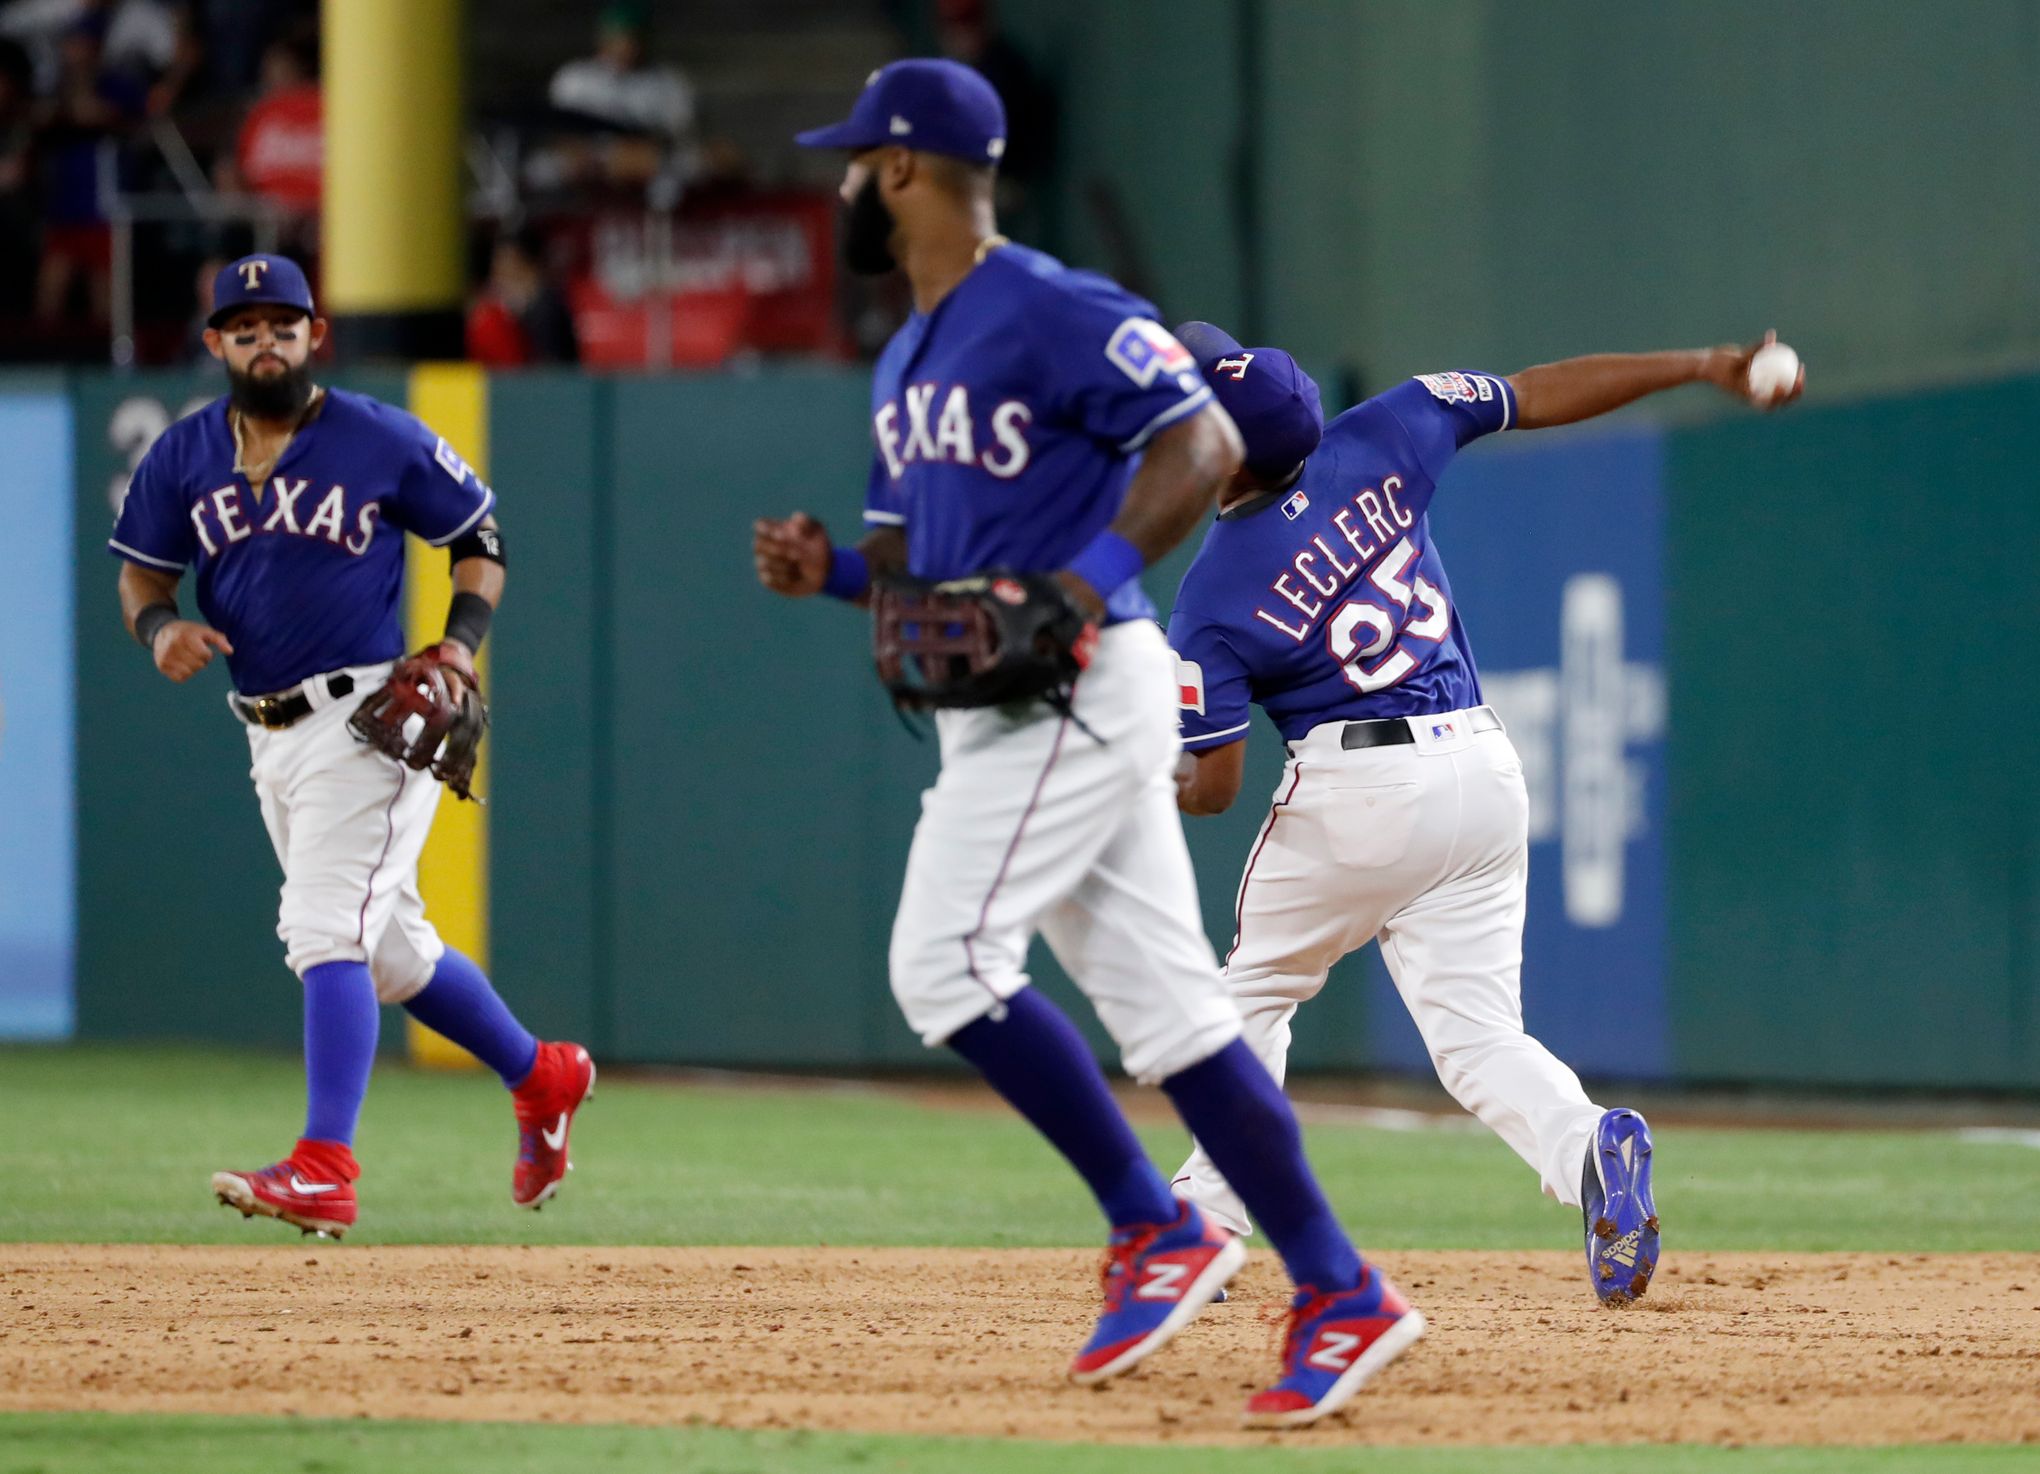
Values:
[(304, 573), (1008, 421), (1327, 601)]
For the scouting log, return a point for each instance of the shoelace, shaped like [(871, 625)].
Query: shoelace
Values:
[(1300, 1314), (1115, 1270)]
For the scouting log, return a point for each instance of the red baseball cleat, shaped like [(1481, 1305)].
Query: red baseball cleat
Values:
[(1157, 1277), (560, 1082), (311, 1189), (1336, 1343)]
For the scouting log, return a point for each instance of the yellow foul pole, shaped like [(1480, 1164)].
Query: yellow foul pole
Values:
[(453, 873), (394, 219)]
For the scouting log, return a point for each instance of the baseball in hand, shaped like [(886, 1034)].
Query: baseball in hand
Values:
[(1774, 369)]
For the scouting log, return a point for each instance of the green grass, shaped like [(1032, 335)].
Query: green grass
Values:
[(118, 1444), (116, 1145)]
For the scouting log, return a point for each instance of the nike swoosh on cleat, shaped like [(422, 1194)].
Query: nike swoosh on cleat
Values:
[(311, 1189), (557, 1137)]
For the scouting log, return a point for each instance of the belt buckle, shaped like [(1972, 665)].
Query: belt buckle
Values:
[(267, 710)]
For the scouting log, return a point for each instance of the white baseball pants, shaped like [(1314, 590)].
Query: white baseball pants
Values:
[(1035, 824), (348, 825), (1426, 848)]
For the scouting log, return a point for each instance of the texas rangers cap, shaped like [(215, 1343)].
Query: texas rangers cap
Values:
[(939, 107), (1273, 401), (274, 281)]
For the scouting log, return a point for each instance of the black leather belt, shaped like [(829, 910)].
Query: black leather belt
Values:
[(285, 708), (1400, 731)]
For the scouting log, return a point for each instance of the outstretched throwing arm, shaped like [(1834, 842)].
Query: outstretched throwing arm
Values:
[(1575, 389)]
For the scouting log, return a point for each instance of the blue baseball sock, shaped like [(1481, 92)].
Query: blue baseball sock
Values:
[(1035, 1057), (460, 1004), (341, 1021), (1234, 1107)]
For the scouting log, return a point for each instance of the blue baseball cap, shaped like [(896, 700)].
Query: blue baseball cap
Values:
[(938, 107), (259, 281), (1273, 401)]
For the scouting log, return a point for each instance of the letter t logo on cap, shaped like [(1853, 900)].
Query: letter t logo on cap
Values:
[(252, 273)]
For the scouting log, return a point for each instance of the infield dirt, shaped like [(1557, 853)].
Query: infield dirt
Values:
[(1727, 1348)]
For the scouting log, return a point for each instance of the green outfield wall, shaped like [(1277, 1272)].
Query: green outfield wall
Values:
[(700, 801), (1854, 621), (1404, 185)]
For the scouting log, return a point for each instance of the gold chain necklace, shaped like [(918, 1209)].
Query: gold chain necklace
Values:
[(241, 463)]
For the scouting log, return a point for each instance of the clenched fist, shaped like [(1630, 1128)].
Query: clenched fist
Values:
[(791, 553), (184, 647)]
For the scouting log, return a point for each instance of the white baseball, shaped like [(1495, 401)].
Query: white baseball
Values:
[(1774, 369)]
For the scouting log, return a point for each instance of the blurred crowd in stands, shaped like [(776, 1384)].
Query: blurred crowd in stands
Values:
[(101, 99), (145, 142)]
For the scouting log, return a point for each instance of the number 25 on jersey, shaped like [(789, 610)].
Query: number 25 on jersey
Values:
[(1369, 636)]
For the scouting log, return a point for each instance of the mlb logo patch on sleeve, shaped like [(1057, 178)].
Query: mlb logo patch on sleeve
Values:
[(1144, 350), (1190, 686), (1296, 506)]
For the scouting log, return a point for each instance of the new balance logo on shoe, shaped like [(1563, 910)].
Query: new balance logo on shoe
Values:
[(1164, 1282), (311, 1189), (1334, 1352), (557, 1137)]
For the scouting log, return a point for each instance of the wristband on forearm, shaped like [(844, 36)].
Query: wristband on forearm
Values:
[(149, 623), (1108, 563), (467, 620), (849, 575)]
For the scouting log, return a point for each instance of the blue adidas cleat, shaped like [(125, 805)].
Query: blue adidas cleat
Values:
[(1622, 1221), (1336, 1343), (1156, 1278)]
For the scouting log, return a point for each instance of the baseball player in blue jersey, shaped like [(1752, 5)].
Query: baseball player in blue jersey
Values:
[(289, 502), (1319, 595), (1038, 421)]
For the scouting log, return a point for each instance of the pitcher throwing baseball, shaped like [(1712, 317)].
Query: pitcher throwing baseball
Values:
[(1039, 440), (290, 502), (1401, 815)]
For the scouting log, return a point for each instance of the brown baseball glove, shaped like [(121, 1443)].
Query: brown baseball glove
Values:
[(437, 688), (992, 639)]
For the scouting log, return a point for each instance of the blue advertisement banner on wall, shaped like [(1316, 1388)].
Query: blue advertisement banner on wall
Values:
[(1555, 548), (38, 884)]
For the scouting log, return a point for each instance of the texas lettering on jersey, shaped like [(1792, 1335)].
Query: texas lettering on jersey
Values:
[(298, 572), (909, 429), (1007, 422), (221, 518)]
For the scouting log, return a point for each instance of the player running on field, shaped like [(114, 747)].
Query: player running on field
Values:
[(1037, 420), (1401, 815), (290, 503)]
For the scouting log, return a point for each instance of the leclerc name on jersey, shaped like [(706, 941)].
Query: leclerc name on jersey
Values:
[(1320, 567), (952, 434)]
